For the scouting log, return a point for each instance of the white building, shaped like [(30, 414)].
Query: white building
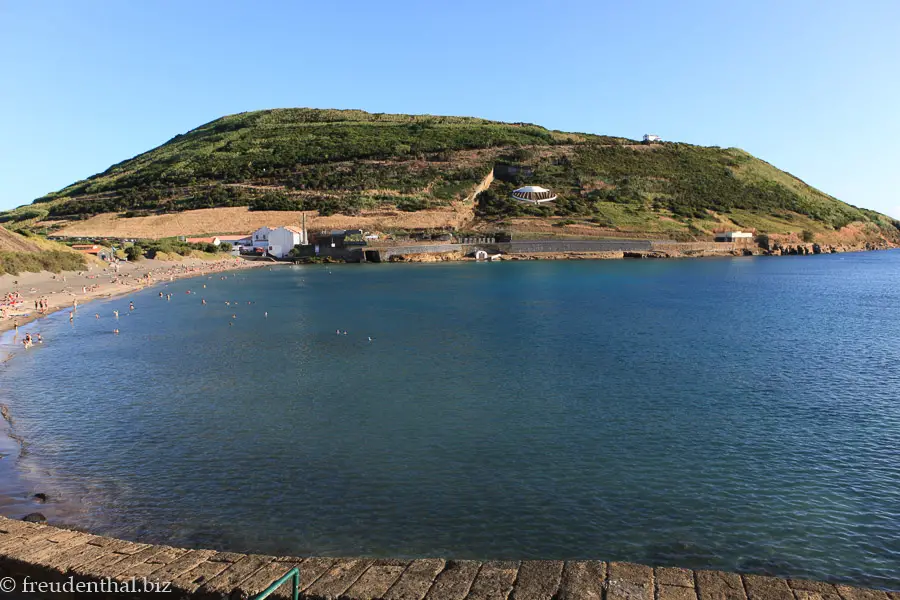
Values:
[(260, 239), (278, 241), (733, 236), (650, 137), (534, 194)]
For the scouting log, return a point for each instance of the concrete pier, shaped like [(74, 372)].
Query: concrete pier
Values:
[(49, 554)]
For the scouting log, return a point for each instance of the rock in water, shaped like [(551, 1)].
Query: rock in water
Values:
[(35, 518), (40, 497)]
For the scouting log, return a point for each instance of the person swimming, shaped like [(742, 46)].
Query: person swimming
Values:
[(96, 315), (116, 331), (266, 315), (131, 306), (116, 313), (40, 340), (202, 300)]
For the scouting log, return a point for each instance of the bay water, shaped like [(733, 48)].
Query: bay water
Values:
[(737, 414)]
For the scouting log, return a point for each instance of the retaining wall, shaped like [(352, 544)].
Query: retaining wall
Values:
[(666, 245), (526, 246), (49, 554)]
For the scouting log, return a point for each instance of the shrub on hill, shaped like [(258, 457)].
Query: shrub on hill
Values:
[(50, 260)]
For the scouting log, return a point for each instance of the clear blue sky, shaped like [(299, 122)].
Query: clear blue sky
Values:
[(811, 86)]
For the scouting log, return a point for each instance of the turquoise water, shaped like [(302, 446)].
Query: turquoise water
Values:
[(737, 414)]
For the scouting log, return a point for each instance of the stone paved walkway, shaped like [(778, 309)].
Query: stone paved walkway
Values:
[(51, 554)]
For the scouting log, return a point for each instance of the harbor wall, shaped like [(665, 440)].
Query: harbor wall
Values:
[(48, 554)]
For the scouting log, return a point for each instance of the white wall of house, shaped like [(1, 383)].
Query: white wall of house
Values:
[(282, 241), (260, 238)]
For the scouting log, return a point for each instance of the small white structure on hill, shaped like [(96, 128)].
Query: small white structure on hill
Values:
[(278, 241), (533, 193), (651, 137), (733, 236)]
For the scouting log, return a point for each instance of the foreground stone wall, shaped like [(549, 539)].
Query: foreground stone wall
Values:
[(49, 554)]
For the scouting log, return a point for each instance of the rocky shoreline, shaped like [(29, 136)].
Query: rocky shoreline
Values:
[(775, 249)]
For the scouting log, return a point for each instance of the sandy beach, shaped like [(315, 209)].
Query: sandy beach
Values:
[(63, 290)]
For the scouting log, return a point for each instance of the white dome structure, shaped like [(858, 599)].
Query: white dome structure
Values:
[(533, 193)]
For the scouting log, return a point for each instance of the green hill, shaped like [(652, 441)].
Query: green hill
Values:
[(347, 161)]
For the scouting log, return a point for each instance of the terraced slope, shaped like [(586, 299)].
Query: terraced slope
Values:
[(355, 164)]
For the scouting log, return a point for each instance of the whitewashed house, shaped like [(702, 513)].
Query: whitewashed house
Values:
[(278, 241), (650, 138), (283, 239), (260, 239)]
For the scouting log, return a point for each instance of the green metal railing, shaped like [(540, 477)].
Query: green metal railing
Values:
[(292, 574)]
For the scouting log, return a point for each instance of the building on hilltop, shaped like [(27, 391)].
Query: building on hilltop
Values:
[(649, 138), (534, 194)]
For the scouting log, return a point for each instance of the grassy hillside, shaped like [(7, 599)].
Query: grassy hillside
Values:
[(20, 253), (350, 162)]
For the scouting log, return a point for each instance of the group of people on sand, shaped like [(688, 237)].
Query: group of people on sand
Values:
[(41, 304)]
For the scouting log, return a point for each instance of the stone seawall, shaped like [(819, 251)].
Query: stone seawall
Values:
[(60, 556)]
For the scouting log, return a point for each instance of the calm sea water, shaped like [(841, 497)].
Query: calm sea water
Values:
[(738, 414)]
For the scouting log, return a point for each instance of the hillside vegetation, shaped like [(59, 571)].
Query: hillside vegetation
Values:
[(20, 253), (354, 163)]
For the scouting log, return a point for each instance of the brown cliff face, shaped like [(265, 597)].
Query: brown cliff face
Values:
[(805, 249)]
